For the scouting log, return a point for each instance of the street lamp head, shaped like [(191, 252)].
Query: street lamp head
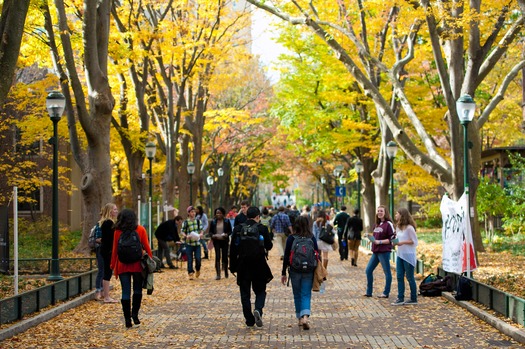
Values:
[(210, 180), (358, 167), (466, 107), (191, 168), (391, 149), (236, 180), (323, 180), (220, 172), (55, 104), (151, 149)]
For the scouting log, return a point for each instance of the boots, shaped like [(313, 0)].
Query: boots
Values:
[(126, 309), (225, 267), (218, 270), (137, 299)]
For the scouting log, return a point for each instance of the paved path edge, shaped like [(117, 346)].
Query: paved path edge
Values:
[(505, 328), (24, 325)]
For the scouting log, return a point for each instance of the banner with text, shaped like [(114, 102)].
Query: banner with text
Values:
[(456, 236)]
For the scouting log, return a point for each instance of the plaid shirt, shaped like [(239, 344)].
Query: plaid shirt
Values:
[(280, 223), (190, 226)]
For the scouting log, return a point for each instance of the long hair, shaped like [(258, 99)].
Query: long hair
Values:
[(126, 220), (387, 215), (301, 227), (405, 218), (321, 214), (105, 212)]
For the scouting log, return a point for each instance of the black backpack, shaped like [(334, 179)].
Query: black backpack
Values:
[(303, 258), (250, 243), (433, 285), (129, 248), (464, 289)]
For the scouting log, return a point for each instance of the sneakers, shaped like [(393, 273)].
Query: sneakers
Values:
[(258, 318), (398, 302), (197, 274), (411, 302), (382, 295), (191, 275)]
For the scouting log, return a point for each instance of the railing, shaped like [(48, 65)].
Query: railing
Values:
[(16, 307), (510, 306)]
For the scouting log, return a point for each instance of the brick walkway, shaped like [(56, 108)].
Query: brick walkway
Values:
[(206, 313)]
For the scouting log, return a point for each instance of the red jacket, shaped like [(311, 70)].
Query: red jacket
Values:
[(136, 267)]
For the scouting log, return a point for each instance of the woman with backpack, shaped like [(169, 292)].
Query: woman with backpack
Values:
[(107, 221), (129, 245), (301, 255), (406, 256)]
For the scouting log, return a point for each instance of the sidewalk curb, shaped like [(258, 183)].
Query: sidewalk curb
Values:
[(509, 330), (24, 325)]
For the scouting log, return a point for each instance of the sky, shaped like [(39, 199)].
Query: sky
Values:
[(263, 45)]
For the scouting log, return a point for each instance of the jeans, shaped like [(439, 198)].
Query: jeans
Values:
[(190, 252), (259, 288), (100, 270), (384, 259), (343, 247), (404, 268), (164, 251), (125, 284), (302, 292)]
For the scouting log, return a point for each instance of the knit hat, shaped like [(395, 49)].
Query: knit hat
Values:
[(190, 208)]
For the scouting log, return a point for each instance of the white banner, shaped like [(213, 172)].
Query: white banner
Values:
[(456, 236)]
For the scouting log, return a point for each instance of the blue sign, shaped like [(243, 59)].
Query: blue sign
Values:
[(340, 191)]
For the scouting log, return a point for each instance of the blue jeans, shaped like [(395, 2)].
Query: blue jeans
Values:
[(125, 284), (100, 270), (384, 259), (190, 251), (404, 268), (302, 292)]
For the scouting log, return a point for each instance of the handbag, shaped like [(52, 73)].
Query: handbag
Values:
[(327, 234)]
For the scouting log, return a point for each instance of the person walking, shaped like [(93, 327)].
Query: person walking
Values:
[(166, 232), (248, 260), (406, 240), (281, 227), (220, 231), (241, 217), (106, 223), (325, 248), (129, 274), (340, 222), (353, 229), (192, 233), (201, 215), (381, 248), (302, 280)]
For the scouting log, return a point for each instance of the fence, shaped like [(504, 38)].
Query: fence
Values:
[(16, 307)]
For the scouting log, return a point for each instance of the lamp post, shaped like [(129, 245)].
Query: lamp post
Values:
[(337, 171), (391, 150), (466, 107), (323, 182), (358, 170), (191, 170), (210, 183), (151, 149), (220, 172), (55, 104), (342, 181)]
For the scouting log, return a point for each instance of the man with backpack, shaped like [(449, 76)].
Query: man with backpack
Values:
[(250, 243), (340, 222), (281, 228)]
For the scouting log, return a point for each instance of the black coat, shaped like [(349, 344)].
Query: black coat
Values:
[(256, 270), (167, 231), (227, 231)]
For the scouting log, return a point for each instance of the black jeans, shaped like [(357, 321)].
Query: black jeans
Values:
[(343, 246), (164, 251), (259, 288)]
